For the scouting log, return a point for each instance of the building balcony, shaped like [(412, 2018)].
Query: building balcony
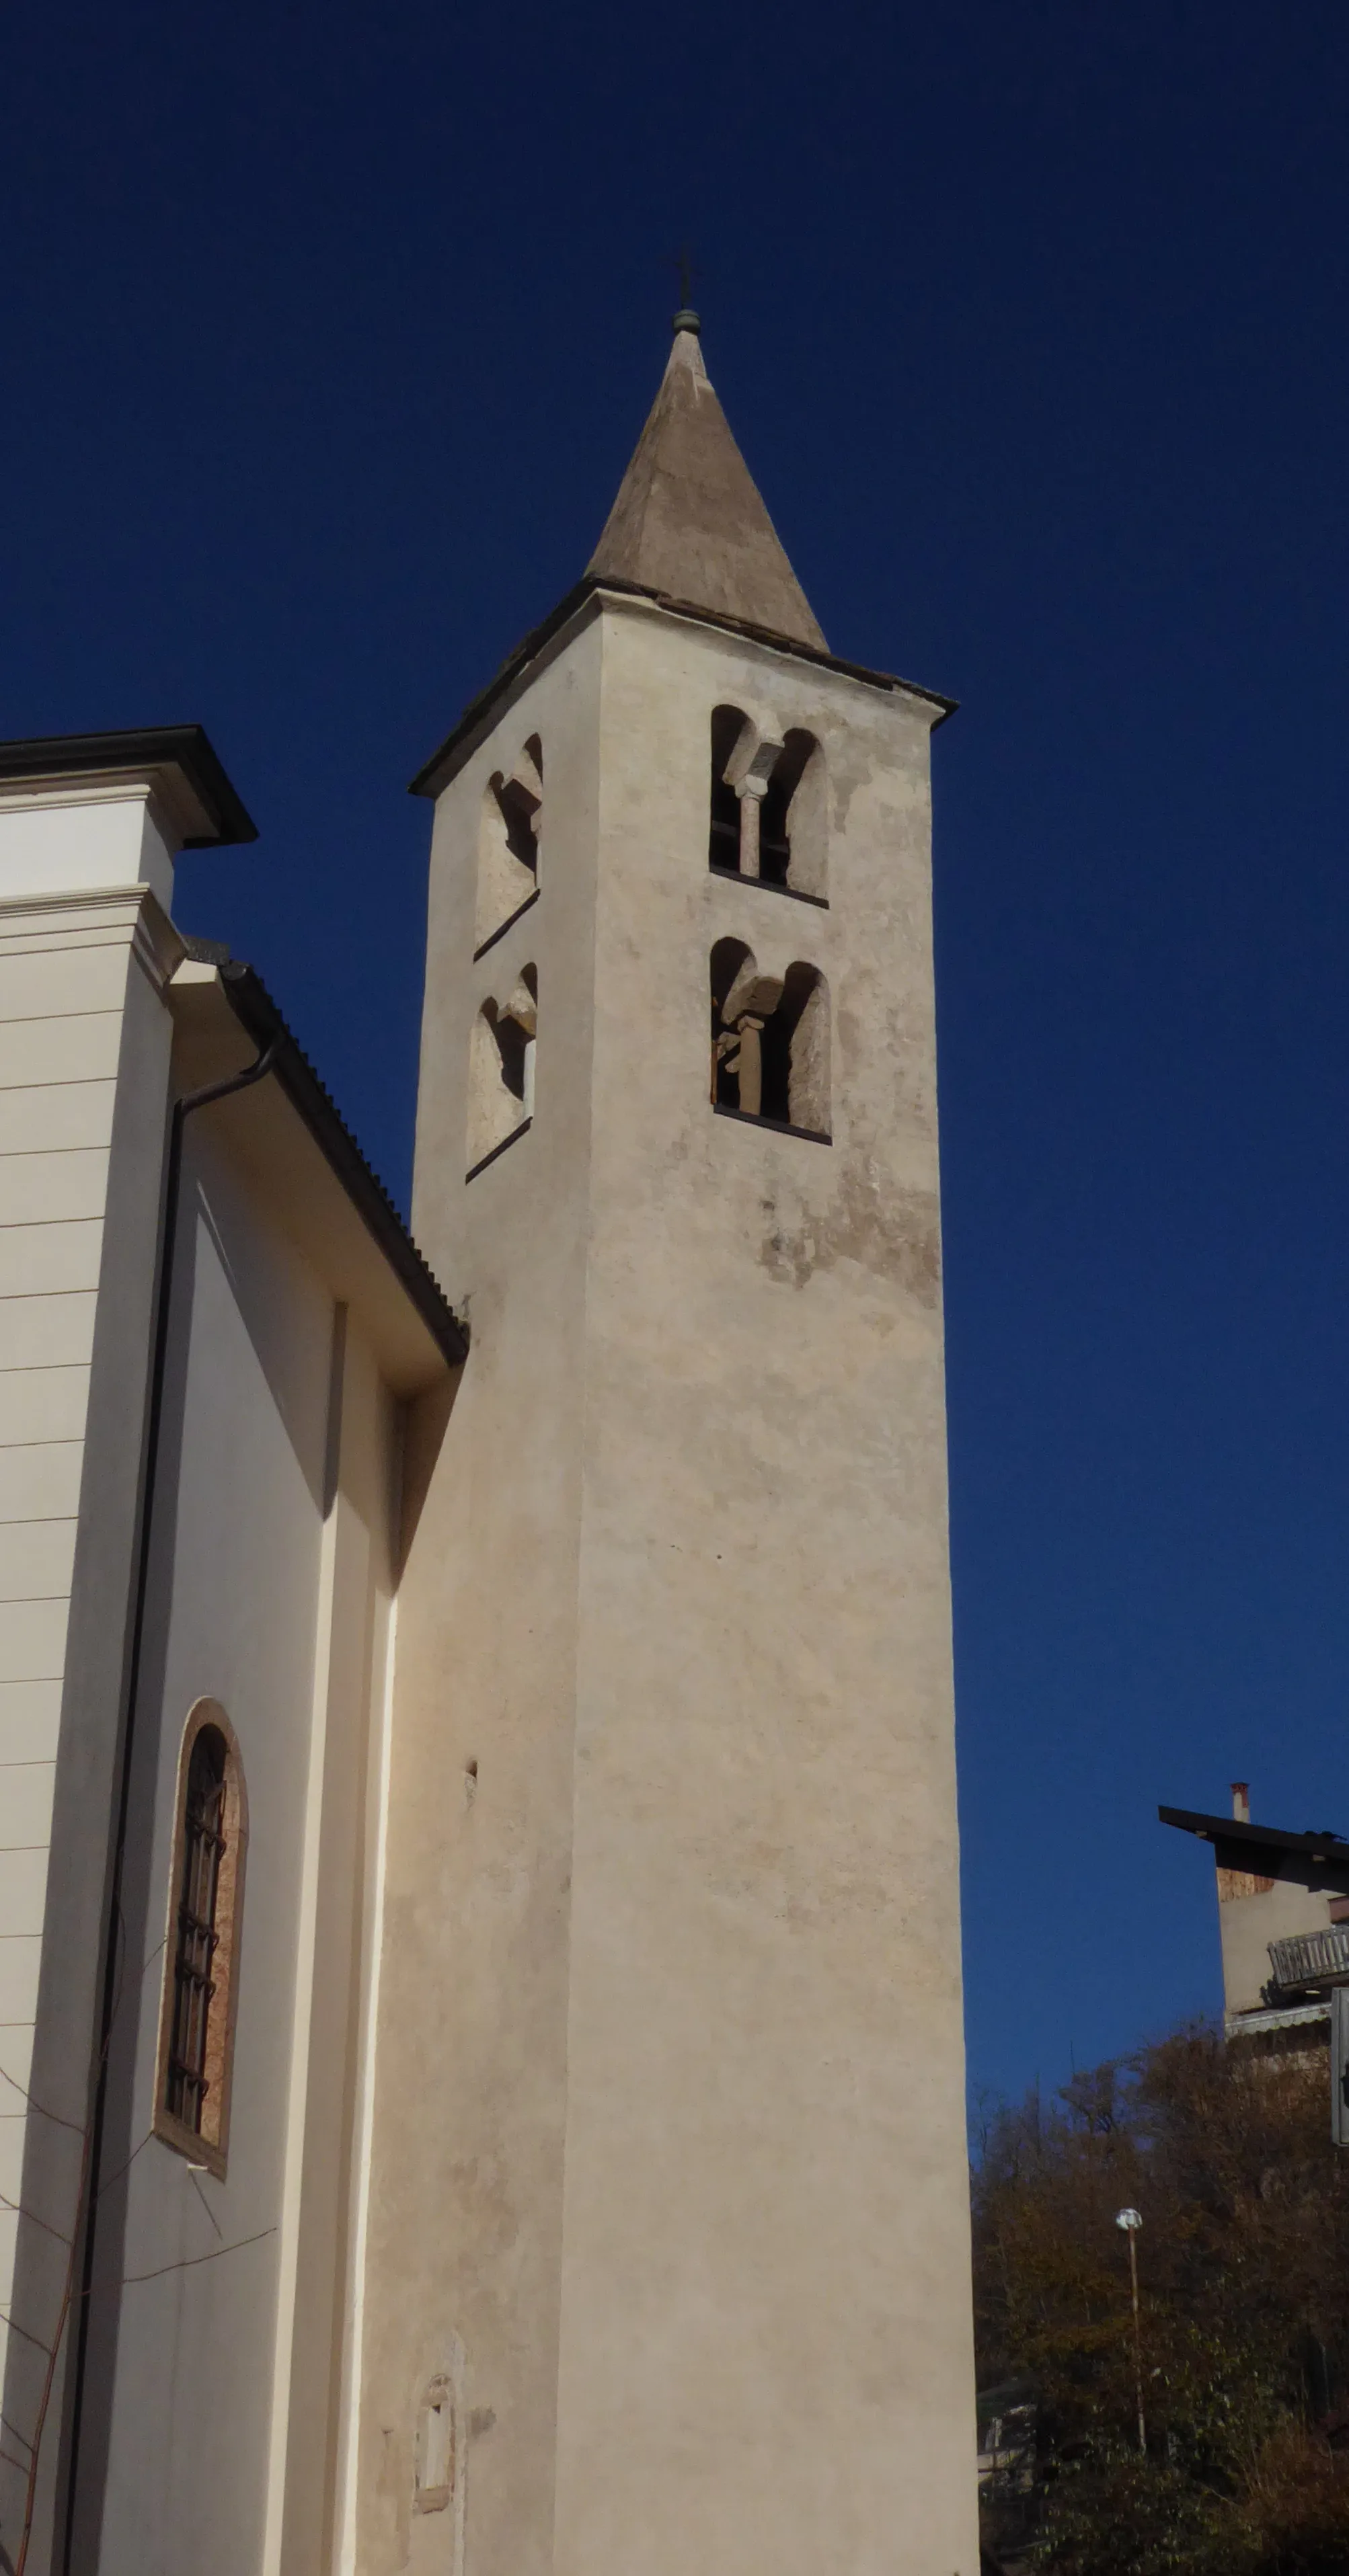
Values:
[(1311, 1959)]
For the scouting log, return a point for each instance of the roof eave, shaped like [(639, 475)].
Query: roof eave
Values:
[(593, 586), (258, 1015), (184, 747), (1231, 1829)]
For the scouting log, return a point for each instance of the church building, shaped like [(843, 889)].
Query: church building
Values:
[(481, 2069)]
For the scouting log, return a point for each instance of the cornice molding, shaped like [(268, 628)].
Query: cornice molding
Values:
[(74, 899), (133, 913), (175, 762)]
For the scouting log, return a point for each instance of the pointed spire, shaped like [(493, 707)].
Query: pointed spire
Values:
[(688, 521)]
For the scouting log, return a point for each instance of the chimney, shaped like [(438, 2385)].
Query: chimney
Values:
[(1241, 1801)]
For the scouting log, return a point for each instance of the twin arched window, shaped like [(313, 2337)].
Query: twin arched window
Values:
[(770, 1040), (501, 1070), (768, 819), (770, 1033), (508, 845), (201, 1965)]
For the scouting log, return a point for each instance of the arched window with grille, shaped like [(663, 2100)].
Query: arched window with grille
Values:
[(201, 1956)]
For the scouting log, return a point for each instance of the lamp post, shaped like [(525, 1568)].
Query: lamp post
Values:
[(1131, 2220)]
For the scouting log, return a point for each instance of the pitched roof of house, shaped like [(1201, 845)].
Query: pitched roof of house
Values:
[(1233, 1829)]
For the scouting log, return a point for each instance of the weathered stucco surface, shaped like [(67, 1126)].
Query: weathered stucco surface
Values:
[(669, 2118)]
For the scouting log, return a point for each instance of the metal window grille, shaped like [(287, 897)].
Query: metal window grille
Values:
[(194, 1958)]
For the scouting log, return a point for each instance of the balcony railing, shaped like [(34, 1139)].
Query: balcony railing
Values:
[(1311, 1958)]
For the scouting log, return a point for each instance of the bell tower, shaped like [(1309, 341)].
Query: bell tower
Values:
[(668, 2201)]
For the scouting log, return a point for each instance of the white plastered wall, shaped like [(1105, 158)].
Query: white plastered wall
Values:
[(81, 835), (270, 1592), (271, 1589), (84, 1057)]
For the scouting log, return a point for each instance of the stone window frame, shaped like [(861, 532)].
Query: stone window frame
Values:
[(208, 2145)]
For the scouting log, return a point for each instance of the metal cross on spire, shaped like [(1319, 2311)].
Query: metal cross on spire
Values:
[(686, 319)]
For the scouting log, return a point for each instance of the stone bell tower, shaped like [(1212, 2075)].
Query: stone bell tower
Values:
[(667, 2235)]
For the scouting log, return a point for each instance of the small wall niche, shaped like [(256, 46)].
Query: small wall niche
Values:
[(508, 844), (435, 2452), (434, 2533), (501, 1070), (770, 1041), (768, 812)]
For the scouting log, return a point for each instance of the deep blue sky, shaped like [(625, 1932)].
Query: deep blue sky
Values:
[(325, 335)]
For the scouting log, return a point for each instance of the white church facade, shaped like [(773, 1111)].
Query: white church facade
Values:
[(481, 2072)]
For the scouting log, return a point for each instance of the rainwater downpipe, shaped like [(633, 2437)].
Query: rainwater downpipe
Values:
[(168, 1227)]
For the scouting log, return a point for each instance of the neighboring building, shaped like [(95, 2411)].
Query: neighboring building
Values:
[(1283, 1916), (478, 1876), (1009, 2496), (1007, 2420)]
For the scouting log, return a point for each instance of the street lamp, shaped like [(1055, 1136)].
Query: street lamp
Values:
[(1131, 2220)]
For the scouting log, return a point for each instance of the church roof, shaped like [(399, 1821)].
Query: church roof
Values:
[(689, 522), (193, 1000)]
